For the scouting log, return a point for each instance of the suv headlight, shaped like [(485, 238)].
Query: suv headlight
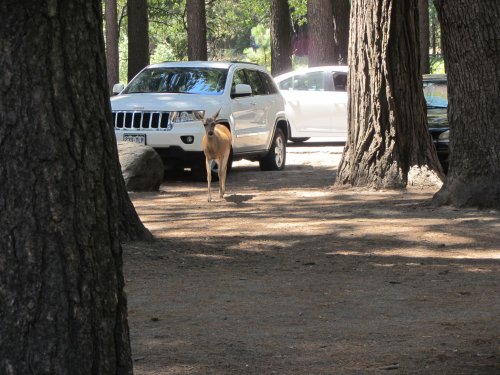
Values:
[(184, 116), (444, 136)]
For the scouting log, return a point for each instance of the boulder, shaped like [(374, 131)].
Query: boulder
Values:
[(142, 167)]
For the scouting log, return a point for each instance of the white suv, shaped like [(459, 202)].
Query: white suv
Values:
[(250, 104), (316, 102)]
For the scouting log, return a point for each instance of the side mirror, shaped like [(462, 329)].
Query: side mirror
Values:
[(242, 89), (118, 88)]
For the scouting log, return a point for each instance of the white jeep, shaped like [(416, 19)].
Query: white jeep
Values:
[(250, 105)]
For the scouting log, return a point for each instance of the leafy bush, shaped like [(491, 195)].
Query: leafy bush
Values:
[(437, 64), (260, 52)]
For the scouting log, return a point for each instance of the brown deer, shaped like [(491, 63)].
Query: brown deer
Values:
[(216, 144)]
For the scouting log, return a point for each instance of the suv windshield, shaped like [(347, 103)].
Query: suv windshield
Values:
[(436, 94), (205, 81)]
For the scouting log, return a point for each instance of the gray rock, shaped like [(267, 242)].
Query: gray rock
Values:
[(142, 167)]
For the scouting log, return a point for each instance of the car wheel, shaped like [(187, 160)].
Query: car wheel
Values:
[(276, 157), (299, 140)]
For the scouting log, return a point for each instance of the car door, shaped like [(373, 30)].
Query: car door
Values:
[(339, 105), (250, 113), (308, 105), (275, 104)]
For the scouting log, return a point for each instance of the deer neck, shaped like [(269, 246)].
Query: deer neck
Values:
[(212, 146)]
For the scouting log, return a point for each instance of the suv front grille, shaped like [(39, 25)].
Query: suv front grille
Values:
[(141, 120)]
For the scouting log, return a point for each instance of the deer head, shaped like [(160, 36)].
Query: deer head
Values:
[(208, 122)]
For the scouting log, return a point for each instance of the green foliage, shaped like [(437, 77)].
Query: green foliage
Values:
[(436, 59), (162, 52), (435, 29), (229, 31), (437, 65), (236, 30), (298, 11), (260, 53), (229, 26), (167, 30), (123, 51)]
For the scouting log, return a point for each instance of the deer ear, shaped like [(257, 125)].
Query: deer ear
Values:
[(198, 115), (217, 114)]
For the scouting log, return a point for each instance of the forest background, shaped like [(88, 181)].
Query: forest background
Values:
[(236, 30)]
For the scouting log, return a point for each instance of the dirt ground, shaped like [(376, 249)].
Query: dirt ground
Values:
[(287, 275)]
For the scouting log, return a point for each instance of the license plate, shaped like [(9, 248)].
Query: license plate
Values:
[(137, 138)]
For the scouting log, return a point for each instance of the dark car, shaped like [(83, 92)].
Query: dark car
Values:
[(436, 96)]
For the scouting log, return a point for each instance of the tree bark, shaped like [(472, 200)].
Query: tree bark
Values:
[(471, 46), (138, 37), (281, 37), (112, 55), (388, 144), (321, 48), (433, 37), (423, 16), (63, 309), (197, 30), (341, 11)]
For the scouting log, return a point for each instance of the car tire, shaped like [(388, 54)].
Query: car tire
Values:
[(276, 157), (299, 140)]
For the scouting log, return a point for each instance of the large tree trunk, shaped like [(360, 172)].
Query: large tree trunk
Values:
[(321, 48), (130, 226), (471, 45), (63, 309), (281, 42), (138, 37), (388, 144), (423, 16), (341, 10), (112, 55), (197, 30)]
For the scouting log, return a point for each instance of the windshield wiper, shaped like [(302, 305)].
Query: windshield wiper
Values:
[(435, 106)]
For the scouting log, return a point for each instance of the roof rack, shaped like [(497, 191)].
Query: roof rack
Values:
[(215, 61), (241, 62)]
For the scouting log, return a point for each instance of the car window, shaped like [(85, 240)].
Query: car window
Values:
[(340, 81), (258, 85), (269, 83), (206, 81), (286, 84), (239, 76), (309, 82), (436, 94)]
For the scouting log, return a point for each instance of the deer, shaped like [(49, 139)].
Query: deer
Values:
[(216, 145)]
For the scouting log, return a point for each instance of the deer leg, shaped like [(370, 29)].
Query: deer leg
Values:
[(209, 178), (223, 174), (219, 167)]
